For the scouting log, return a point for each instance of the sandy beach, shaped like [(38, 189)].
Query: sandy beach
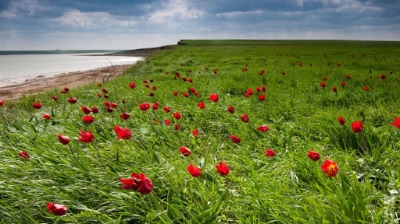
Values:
[(71, 79)]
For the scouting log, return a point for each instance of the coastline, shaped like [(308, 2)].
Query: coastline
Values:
[(73, 79)]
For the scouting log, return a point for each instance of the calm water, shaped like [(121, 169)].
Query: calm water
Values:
[(16, 68)]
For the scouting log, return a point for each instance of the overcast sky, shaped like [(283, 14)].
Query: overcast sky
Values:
[(131, 24)]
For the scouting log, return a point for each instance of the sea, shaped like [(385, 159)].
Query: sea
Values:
[(17, 66)]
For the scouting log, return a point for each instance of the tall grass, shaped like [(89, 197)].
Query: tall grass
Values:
[(286, 188)]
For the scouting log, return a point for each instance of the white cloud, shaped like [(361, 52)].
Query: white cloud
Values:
[(76, 18), (239, 13), (20, 8), (175, 9)]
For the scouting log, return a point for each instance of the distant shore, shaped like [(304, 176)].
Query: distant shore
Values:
[(73, 79)]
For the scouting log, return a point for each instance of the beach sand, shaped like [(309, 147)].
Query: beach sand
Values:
[(71, 79)]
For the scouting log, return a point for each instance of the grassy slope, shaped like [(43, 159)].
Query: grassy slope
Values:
[(285, 189)]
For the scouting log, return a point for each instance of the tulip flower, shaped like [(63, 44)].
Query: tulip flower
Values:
[(177, 115), (231, 109), (269, 152), (194, 171), (185, 151), (222, 168), (396, 122), (57, 209), (235, 139), (357, 126), (86, 136), (37, 105), (85, 110), (201, 105), (88, 119), (263, 128), (23, 155), (72, 100), (46, 116), (63, 139), (315, 156), (122, 133), (144, 106), (124, 116), (214, 97), (341, 120), (137, 182), (330, 167)]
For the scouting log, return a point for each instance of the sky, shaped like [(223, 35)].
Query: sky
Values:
[(133, 24)]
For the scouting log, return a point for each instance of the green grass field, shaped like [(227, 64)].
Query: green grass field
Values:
[(288, 187)]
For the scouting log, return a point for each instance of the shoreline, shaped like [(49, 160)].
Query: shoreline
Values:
[(40, 83)]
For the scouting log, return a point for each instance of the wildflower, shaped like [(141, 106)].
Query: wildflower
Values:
[(283, 73), (249, 91), (341, 120), (177, 115), (261, 97), (357, 126), (144, 106), (46, 116), (194, 171), (94, 110), (222, 168), (122, 133), (231, 109), (137, 182), (329, 167), (235, 139), (396, 122), (72, 100), (37, 105), (88, 119), (382, 76), (195, 132), (269, 152), (263, 128), (1, 103), (23, 155), (155, 106), (85, 110), (167, 109), (263, 88), (124, 116), (185, 94), (132, 85), (214, 97), (366, 88), (176, 127), (245, 118), (315, 156), (54, 97), (175, 93), (56, 209), (322, 84), (201, 105), (86, 136), (167, 122), (334, 89), (114, 105), (185, 151), (343, 84), (63, 139)]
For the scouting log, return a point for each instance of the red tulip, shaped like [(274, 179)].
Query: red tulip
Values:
[(322, 84), (338, 64), (261, 72), (258, 89), (46, 116), (231, 109), (269, 152), (167, 109), (245, 118), (114, 105), (145, 81), (23, 155), (195, 132), (261, 97), (185, 94), (95, 110), (1, 103), (177, 115), (215, 71), (72, 100), (155, 106), (283, 73), (263, 88), (99, 84), (324, 78), (144, 106), (37, 105), (396, 122), (222, 168), (132, 85), (137, 182), (201, 105), (88, 119), (190, 80), (347, 76), (341, 120), (315, 156), (85, 110), (56, 209), (185, 151), (55, 98), (86, 136), (63, 139), (249, 91), (383, 76), (330, 167), (214, 97), (65, 90), (263, 128), (357, 126), (176, 127), (122, 133), (109, 109), (153, 88), (167, 122), (175, 93), (124, 116), (99, 95), (366, 88), (194, 171), (235, 139), (334, 89), (151, 80)]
